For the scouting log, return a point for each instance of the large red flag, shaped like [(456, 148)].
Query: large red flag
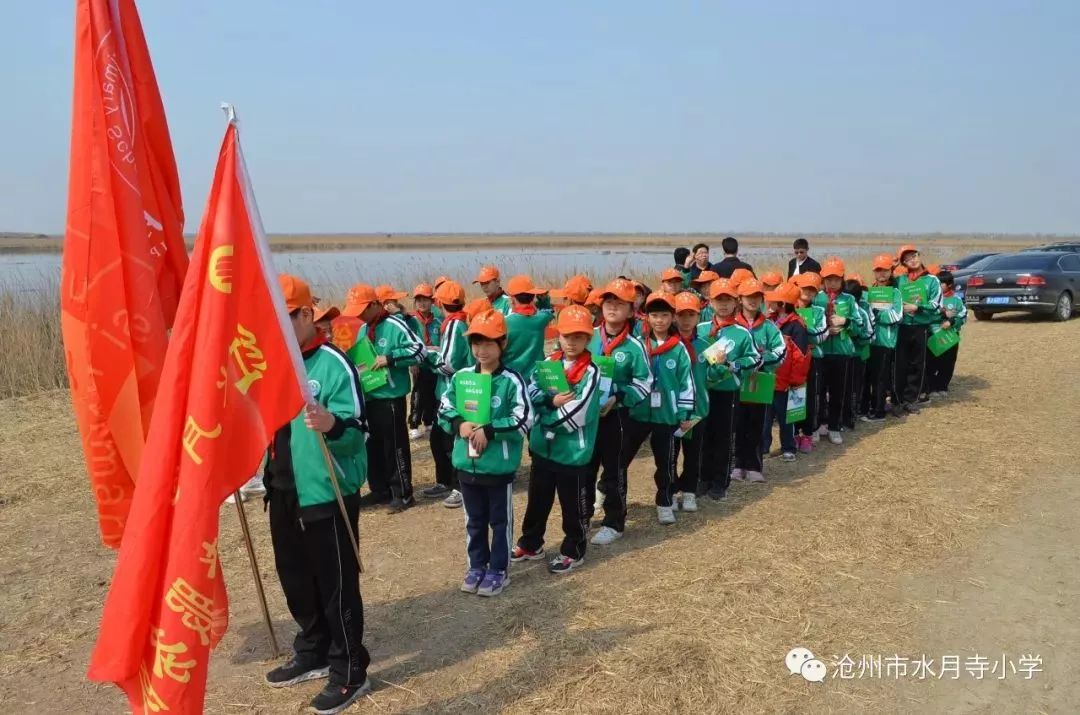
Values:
[(124, 254), (232, 377)]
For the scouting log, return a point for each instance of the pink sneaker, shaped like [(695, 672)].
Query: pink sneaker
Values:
[(806, 444)]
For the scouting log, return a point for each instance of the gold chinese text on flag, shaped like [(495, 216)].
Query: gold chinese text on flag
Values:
[(124, 255), (231, 378)]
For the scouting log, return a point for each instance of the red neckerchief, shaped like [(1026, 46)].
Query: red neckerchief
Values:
[(741, 320), (718, 323), (788, 317), (578, 368), (608, 346), (426, 322), (527, 309), (371, 326), (831, 296), (449, 319), (667, 345), (947, 292), (688, 342), (916, 274), (314, 344)]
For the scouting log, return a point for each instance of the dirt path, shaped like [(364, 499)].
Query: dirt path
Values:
[(848, 551)]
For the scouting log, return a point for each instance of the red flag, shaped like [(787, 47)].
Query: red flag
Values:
[(124, 253), (231, 378)]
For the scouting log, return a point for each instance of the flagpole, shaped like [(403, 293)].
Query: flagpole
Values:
[(341, 502), (255, 572)]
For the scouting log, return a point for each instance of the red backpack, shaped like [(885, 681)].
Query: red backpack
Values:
[(796, 366)]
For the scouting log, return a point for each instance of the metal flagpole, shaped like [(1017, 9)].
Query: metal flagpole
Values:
[(255, 571), (341, 501)]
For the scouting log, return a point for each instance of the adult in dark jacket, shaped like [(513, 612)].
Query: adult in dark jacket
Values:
[(698, 260), (731, 260), (802, 262)]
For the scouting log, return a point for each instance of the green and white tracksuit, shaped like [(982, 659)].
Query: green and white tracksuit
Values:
[(567, 435), (525, 341), (511, 419), (402, 348)]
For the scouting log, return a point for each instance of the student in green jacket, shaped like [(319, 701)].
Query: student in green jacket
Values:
[(692, 442), (489, 282), (398, 348), (670, 403), (454, 355), (861, 339), (424, 402), (312, 551), (939, 368), (809, 285), (844, 320), (750, 416), (730, 354), (921, 293), (561, 446), (631, 385), (487, 457), (525, 327), (886, 320)]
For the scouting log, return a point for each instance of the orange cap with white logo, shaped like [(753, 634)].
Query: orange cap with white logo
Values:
[(490, 324), (487, 274), (359, 297), (574, 319), (297, 292), (687, 301)]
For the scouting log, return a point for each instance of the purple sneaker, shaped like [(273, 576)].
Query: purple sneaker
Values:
[(473, 578), (493, 584)]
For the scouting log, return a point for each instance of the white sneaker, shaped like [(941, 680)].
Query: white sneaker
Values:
[(453, 500), (254, 487), (823, 430), (689, 502), (752, 476), (836, 437), (737, 475), (416, 433), (605, 536), (787, 457), (231, 499), (665, 514), (598, 502)]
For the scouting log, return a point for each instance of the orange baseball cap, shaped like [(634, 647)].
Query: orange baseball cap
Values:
[(475, 307), (883, 262), (487, 273), (687, 301), (574, 319), (833, 267), (490, 324), (899, 271), (808, 280), (739, 275), (785, 293), (906, 248), (706, 277), (297, 292), (327, 313), (772, 278), (665, 298), (423, 291), (521, 284), (450, 293), (933, 269), (751, 286), (387, 292), (858, 279), (671, 274), (723, 286), (359, 297), (439, 281), (576, 289), (596, 297), (620, 289)]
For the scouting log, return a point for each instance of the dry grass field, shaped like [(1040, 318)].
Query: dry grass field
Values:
[(949, 532)]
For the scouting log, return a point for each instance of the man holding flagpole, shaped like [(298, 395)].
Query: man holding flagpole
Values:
[(315, 559)]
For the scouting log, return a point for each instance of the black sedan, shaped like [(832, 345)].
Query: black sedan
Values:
[(961, 275), (1046, 282), (1058, 247)]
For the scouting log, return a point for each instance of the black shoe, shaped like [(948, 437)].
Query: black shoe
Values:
[(717, 492), (912, 408), (372, 499), (399, 505), (437, 491), (875, 417), (924, 398), (335, 698), (295, 672)]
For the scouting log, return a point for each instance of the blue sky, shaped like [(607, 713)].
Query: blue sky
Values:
[(591, 116)]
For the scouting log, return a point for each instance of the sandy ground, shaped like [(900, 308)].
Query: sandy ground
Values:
[(947, 533)]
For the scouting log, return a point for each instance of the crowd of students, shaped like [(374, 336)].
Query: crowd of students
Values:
[(701, 368)]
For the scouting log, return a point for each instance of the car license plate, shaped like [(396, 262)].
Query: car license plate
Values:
[(997, 300)]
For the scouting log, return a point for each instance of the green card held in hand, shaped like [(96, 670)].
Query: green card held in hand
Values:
[(472, 392), (606, 365), (758, 387), (796, 404), (881, 297), (941, 341), (807, 314), (842, 308), (550, 375), (913, 293), (363, 355)]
